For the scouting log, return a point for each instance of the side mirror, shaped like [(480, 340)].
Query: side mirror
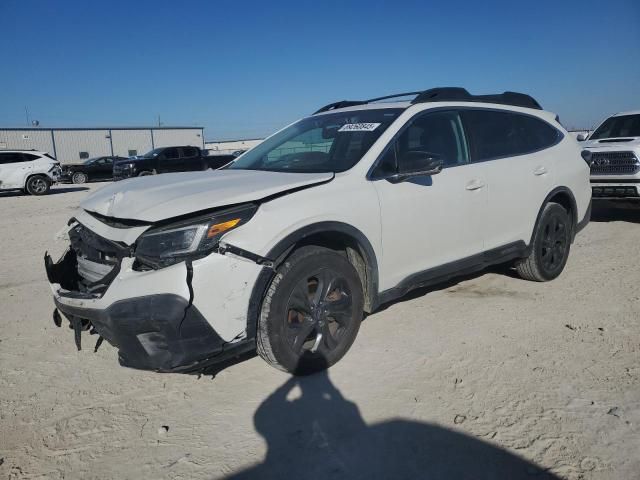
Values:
[(417, 164), (581, 137)]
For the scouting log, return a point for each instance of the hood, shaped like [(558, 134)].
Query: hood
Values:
[(625, 143), (158, 197)]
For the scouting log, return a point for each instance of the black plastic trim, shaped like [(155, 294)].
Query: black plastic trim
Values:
[(457, 268), (162, 333)]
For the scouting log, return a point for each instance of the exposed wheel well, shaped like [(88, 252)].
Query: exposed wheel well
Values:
[(36, 175), (563, 197)]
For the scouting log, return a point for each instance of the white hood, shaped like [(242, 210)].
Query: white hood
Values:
[(158, 197), (627, 143)]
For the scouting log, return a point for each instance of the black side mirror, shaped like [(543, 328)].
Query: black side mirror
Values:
[(417, 164)]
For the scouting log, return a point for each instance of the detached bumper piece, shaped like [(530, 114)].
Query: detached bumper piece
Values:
[(156, 332)]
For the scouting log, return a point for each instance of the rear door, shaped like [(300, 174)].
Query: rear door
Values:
[(519, 167), (14, 168)]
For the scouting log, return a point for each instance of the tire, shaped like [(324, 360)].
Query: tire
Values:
[(79, 177), (311, 313), (145, 173), (550, 246), (38, 185)]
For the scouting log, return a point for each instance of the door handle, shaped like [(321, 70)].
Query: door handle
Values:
[(540, 171), (475, 185)]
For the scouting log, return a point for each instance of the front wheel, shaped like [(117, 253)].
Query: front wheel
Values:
[(79, 177), (311, 313), (38, 185), (550, 246)]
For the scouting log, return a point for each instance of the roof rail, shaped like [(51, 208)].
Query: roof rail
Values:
[(446, 94), (456, 94)]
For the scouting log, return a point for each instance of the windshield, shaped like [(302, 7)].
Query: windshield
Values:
[(323, 143), (616, 127), (152, 153)]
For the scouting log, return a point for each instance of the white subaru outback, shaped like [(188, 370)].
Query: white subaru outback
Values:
[(28, 170), (285, 248)]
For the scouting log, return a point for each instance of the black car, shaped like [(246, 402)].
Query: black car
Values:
[(98, 168), (168, 159)]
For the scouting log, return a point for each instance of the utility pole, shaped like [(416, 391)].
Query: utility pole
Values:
[(159, 122), (26, 113)]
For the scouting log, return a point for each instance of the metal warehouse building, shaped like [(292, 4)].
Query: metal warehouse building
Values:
[(72, 145)]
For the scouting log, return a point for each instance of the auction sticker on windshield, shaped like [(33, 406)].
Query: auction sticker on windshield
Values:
[(359, 127)]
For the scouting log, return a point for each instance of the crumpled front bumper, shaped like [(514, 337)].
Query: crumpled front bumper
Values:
[(156, 332), (150, 316)]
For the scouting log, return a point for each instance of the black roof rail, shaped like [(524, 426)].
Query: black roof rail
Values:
[(446, 94), (456, 94)]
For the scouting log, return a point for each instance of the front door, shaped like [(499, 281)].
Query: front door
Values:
[(169, 161), (430, 221)]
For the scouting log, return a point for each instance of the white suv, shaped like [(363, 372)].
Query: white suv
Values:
[(28, 170), (613, 152), (284, 249)]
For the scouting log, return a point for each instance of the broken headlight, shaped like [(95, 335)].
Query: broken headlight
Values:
[(193, 238)]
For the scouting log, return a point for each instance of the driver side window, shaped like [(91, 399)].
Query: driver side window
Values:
[(439, 133)]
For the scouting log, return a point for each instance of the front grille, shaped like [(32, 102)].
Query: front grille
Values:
[(98, 259), (614, 192), (614, 163)]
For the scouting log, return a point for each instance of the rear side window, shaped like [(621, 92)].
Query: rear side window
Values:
[(11, 157), (506, 134), (30, 156)]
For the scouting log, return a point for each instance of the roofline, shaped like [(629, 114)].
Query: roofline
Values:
[(630, 112), (48, 129)]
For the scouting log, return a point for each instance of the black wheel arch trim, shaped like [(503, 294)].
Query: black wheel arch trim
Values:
[(574, 211), (284, 247)]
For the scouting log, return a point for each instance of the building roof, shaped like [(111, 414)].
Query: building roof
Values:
[(102, 128)]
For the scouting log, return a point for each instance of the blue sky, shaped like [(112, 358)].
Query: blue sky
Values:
[(243, 69)]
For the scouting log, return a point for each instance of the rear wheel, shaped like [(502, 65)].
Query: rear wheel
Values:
[(550, 246), (38, 185), (145, 173), (311, 313), (79, 177)]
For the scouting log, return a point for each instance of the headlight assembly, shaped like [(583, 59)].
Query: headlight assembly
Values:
[(193, 238)]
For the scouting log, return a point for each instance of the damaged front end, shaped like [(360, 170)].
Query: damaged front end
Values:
[(140, 297)]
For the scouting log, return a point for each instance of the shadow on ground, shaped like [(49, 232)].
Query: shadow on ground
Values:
[(313, 432), (604, 211), (53, 191)]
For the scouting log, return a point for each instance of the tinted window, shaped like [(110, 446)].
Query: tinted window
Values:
[(11, 157), (616, 127), (189, 152), (170, 153), (30, 156), (438, 133), (504, 134)]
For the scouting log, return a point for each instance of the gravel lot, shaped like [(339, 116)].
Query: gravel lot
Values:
[(486, 377)]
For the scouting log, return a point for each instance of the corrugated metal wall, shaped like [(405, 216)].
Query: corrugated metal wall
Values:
[(26, 140), (126, 140), (69, 144), (167, 138)]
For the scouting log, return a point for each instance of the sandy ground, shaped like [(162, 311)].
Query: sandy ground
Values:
[(487, 377)]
